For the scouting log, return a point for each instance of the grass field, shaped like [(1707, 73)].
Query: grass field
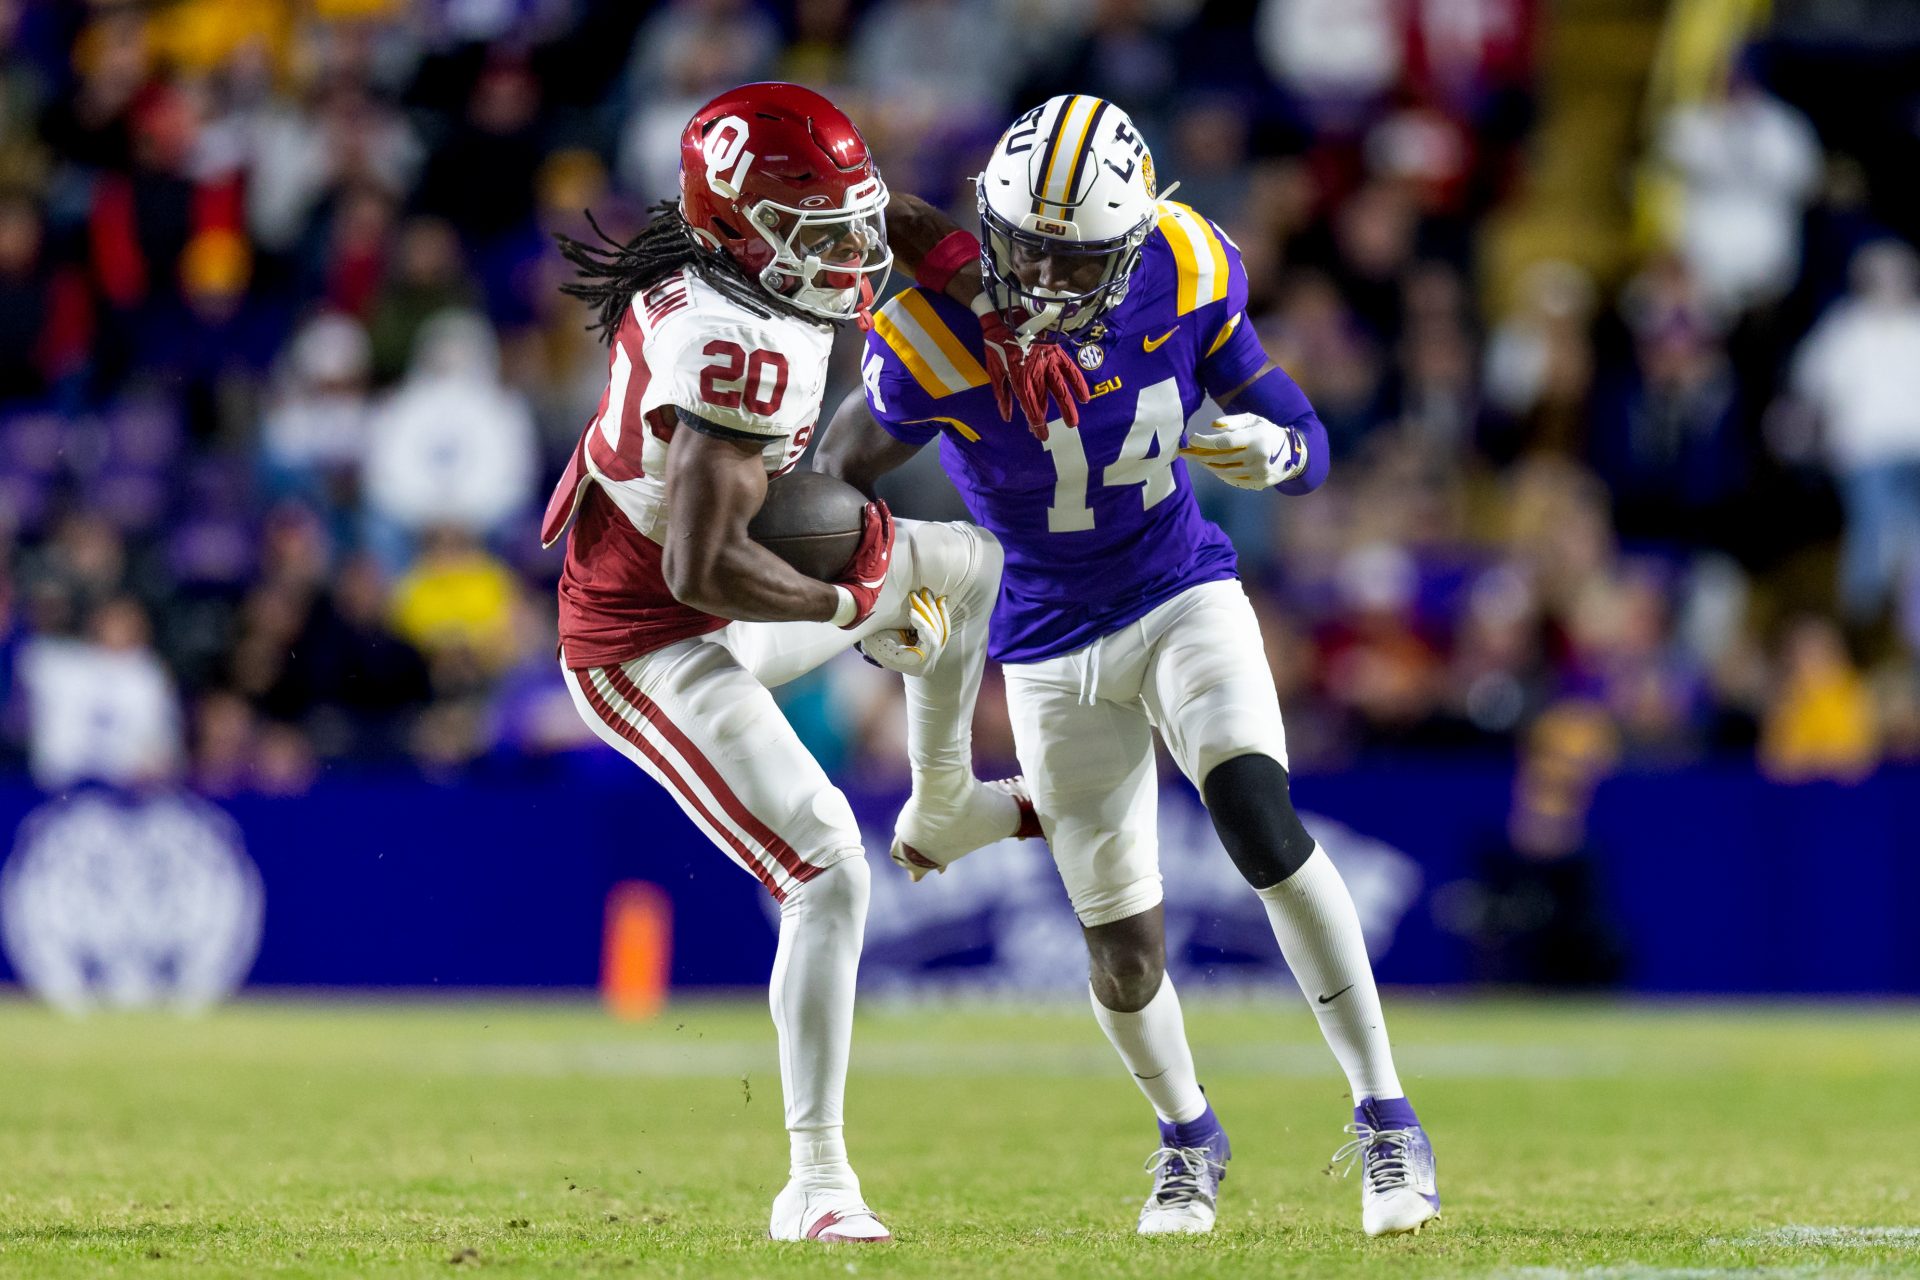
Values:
[(546, 1140)]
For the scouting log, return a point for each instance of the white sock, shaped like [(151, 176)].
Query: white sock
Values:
[(822, 924), (1153, 1044), (1313, 917)]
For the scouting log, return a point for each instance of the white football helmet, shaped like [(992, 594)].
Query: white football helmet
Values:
[(1066, 201)]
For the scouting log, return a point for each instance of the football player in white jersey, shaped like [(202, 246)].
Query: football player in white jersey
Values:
[(673, 623)]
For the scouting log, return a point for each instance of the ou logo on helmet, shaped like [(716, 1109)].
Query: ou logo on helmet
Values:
[(726, 149)]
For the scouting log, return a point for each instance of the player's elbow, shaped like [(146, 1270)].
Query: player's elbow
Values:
[(692, 575)]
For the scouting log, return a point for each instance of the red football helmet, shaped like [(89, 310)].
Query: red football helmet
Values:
[(779, 179)]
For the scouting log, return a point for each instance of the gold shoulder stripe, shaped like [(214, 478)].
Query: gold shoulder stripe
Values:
[(938, 360), (1202, 263), (1226, 331)]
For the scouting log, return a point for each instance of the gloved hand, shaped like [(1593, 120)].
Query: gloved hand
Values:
[(1031, 374), (911, 649), (866, 573), (1247, 451)]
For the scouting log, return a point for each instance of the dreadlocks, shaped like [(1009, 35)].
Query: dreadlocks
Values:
[(612, 272)]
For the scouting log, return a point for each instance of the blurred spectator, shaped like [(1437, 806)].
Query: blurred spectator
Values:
[(314, 436), (1821, 723), (1338, 59), (685, 54), (1860, 369), (301, 158), (46, 316), (1540, 362), (935, 58), (457, 604), (102, 708), (23, 94), (1749, 163), (428, 276), (452, 446), (1668, 440), (481, 179)]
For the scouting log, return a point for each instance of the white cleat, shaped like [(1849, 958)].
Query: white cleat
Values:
[(1399, 1190), (1186, 1185), (933, 833), (830, 1215)]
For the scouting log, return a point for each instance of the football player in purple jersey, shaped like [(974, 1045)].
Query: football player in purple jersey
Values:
[(1120, 609)]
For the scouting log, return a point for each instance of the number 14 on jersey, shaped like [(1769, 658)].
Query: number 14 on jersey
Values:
[(1146, 458)]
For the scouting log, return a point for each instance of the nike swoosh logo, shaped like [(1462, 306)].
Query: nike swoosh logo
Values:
[(1275, 456), (1153, 344), (1336, 995)]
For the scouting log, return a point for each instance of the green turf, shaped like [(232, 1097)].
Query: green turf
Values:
[(523, 1140)]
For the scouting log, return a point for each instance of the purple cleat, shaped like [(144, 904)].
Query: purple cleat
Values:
[(1187, 1171), (1398, 1189)]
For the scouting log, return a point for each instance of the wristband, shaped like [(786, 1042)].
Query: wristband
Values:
[(954, 251), (982, 305), (847, 610)]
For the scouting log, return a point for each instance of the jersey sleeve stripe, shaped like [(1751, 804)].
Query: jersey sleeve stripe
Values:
[(1226, 331), (936, 358), (958, 357), (888, 322), (1196, 251)]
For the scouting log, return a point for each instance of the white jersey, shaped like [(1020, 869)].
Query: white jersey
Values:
[(685, 345), (682, 346)]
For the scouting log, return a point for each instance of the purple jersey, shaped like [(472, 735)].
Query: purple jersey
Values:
[(1100, 523)]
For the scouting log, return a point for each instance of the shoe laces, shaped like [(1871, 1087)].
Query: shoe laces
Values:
[(1386, 1155), (1177, 1172)]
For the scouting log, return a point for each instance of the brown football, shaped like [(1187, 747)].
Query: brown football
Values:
[(810, 520)]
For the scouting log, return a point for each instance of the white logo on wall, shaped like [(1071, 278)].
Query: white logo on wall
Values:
[(111, 900)]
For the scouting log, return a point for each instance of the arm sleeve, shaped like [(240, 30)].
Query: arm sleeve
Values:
[(1275, 396), (898, 403)]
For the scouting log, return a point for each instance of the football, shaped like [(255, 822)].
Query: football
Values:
[(810, 520)]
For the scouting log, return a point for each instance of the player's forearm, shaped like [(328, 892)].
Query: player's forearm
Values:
[(736, 578), (915, 230), (1275, 396), (857, 449)]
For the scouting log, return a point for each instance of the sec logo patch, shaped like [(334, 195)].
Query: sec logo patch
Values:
[(1091, 356)]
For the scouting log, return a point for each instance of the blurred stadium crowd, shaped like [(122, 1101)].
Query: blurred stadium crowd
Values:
[(284, 375)]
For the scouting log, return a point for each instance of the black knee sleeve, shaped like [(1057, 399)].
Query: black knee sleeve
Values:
[(1248, 800)]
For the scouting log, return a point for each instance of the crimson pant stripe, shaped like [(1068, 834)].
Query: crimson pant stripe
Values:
[(799, 868), (620, 725)]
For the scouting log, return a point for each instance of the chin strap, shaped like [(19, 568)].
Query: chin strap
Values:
[(863, 315)]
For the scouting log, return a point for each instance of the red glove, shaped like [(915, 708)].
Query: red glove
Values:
[(1031, 375), (866, 573)]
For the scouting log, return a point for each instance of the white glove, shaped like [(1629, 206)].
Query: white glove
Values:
[(910, 650), (1248, 452)]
